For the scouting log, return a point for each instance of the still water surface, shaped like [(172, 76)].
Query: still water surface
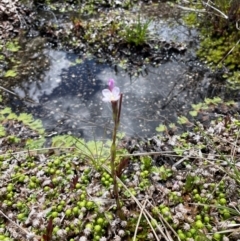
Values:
[(69, 98)]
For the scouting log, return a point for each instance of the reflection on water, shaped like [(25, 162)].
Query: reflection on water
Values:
[(68, 99), (171, 31), (66, 94), (52, 77)]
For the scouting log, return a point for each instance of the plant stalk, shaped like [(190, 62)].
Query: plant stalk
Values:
[(116, 110)]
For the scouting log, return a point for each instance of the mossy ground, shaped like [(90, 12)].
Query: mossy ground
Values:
[(171, 187), (187, 187), (219, 40)]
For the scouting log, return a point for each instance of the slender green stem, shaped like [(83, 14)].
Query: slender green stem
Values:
[(119, 110), (116, 117)]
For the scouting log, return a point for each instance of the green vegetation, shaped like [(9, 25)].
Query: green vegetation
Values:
[(8, 56), (87, 8), (136, 33), (220, 36), (26, 119), (122, 30), (187, 190), (68, 186)]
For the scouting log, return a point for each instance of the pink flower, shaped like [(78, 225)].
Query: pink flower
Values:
[(112, 93), (111, 84)]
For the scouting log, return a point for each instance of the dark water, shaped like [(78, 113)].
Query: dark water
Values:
[(66, 95), (69, 98)]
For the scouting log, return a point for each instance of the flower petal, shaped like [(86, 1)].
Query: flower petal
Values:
[(113, 95), (111, 84), (115, 91), (116, 97), (104, 99), (106, 93)]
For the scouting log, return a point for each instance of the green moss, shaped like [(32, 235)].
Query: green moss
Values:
[(219, 45), (234, 80)]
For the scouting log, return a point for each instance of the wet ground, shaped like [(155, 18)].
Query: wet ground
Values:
[(68, 100), (63, 89)]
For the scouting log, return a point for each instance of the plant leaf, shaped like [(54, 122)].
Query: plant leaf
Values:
[(10, 73), (2, 131), (182, 120), (12, 116), (34, 144), (193, 113), (122, 165), (161, 128), (13, 47), (6, 110)]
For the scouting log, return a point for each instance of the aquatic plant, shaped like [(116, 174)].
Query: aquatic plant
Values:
[(136, 33), (112, 95)]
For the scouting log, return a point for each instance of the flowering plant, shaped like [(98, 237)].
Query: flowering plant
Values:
[(113, 95)]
